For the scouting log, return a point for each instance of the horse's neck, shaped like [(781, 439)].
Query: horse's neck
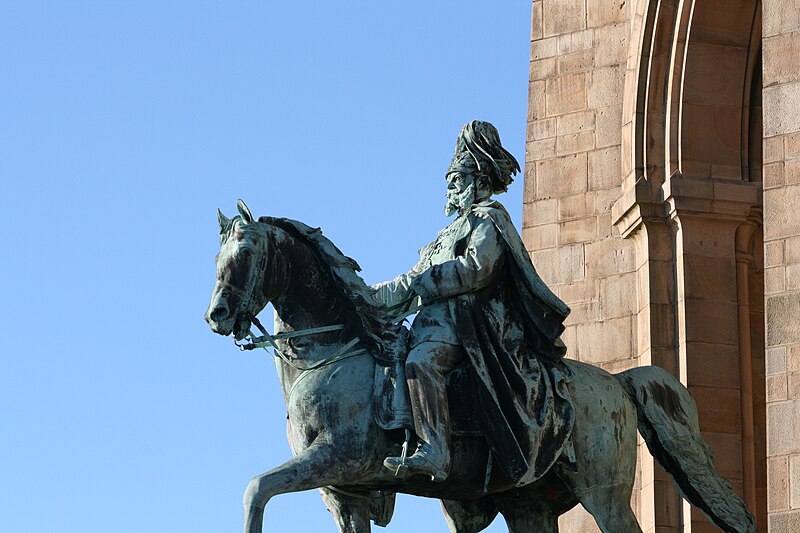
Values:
[(308, 296)]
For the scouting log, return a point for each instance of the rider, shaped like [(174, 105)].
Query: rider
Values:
[(483, 301)]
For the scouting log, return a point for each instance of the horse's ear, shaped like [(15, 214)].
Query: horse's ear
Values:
[(223, 220), (247, 216)]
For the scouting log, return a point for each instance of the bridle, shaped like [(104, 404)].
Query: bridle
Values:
[(243, 310)]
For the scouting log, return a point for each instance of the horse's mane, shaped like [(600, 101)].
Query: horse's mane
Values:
[(368, 318)]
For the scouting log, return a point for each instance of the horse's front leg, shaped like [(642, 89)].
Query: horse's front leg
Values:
[(317, 466)]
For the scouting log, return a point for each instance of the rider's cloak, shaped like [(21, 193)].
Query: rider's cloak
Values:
[(484, 294)]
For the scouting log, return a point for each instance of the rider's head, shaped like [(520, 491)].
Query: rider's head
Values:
[(480, 167)]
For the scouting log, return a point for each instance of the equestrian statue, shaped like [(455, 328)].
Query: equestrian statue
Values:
[(475, 404)]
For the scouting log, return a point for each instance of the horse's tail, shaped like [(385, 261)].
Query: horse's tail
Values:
[(668, 422)]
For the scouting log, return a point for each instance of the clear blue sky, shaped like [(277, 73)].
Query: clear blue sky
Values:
[(123, 126)]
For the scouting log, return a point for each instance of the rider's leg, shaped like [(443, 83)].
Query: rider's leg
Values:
[(426, 368)]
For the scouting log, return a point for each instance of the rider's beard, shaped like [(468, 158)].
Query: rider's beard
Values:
[(456, 201)]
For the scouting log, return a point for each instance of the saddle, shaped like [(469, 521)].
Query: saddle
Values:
[(391, 404)]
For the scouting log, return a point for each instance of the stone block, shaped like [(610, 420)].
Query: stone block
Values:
[(536, 100), (560, 265), (792, 250), (528, 185), (773, 175), (563, 16), (540, 237), (773, 253), (713, 365), (536, 20), (708, 73), (563, 176), (783, 421), (564, 44), (793, 357), (791, 171), (727, 448), (711, 278), (793, 387), (609, 126), (541, 129), (577, 206), (582, 40), (780, 105), (772, 149), (783, 326), (544, 48), (718, 409), (609, 257), (791, 144), (711, 134), (574, 143), (778, 486), (618, 296), (777, 388), (581, 61), (780, 16), (780, 54), (605, 168), (539, 212), (776, 360), (579, 291), (583, 313), (542, 69), (576, 122), (711, 321), (723, 22), (774, 280), (539, 150), (607, 12), (577, 230), (611, 44), (787, 522), (566, 94), (608, 340), (607, 87), (794, 483), (793, 278)]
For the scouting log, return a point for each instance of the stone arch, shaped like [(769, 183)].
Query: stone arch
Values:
[(691, 198)]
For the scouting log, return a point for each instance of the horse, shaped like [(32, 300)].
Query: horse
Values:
[(329, 335)]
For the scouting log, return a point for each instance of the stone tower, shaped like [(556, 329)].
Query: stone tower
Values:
[(662, 203)]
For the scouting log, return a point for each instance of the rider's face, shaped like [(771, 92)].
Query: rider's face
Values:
[(458, 181)]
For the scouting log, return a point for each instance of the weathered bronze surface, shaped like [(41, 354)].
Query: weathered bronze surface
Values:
[(502, 423)]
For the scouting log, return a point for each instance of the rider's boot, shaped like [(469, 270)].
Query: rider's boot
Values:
[(428, 395)]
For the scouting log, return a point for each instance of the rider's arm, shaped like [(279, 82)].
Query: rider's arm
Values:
[(474, 270)]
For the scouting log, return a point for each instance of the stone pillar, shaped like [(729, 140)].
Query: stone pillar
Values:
[(781, 48)]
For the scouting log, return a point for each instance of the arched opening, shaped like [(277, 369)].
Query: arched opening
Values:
[(692, 193)]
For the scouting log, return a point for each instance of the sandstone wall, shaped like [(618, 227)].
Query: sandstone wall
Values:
[(781, 41), (643, 200)]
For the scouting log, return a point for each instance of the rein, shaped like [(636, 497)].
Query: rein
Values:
[(268, 340)]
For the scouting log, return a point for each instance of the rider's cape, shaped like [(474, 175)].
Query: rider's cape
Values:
[(525, 408)]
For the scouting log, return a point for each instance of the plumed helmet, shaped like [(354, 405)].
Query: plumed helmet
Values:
[(478, 148)]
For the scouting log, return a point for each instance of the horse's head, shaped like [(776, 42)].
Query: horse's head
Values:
[(241, 263)]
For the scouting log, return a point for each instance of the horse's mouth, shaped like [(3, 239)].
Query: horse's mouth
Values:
[(241, 328)]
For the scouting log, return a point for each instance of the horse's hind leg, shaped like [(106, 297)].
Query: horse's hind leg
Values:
[(469, 516), (351, 513), (611, 509)]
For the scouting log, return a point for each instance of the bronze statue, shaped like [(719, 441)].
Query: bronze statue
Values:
[(530, 434), (484, 302)]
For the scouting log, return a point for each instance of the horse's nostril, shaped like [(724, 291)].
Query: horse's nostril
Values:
[(220, 313)]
